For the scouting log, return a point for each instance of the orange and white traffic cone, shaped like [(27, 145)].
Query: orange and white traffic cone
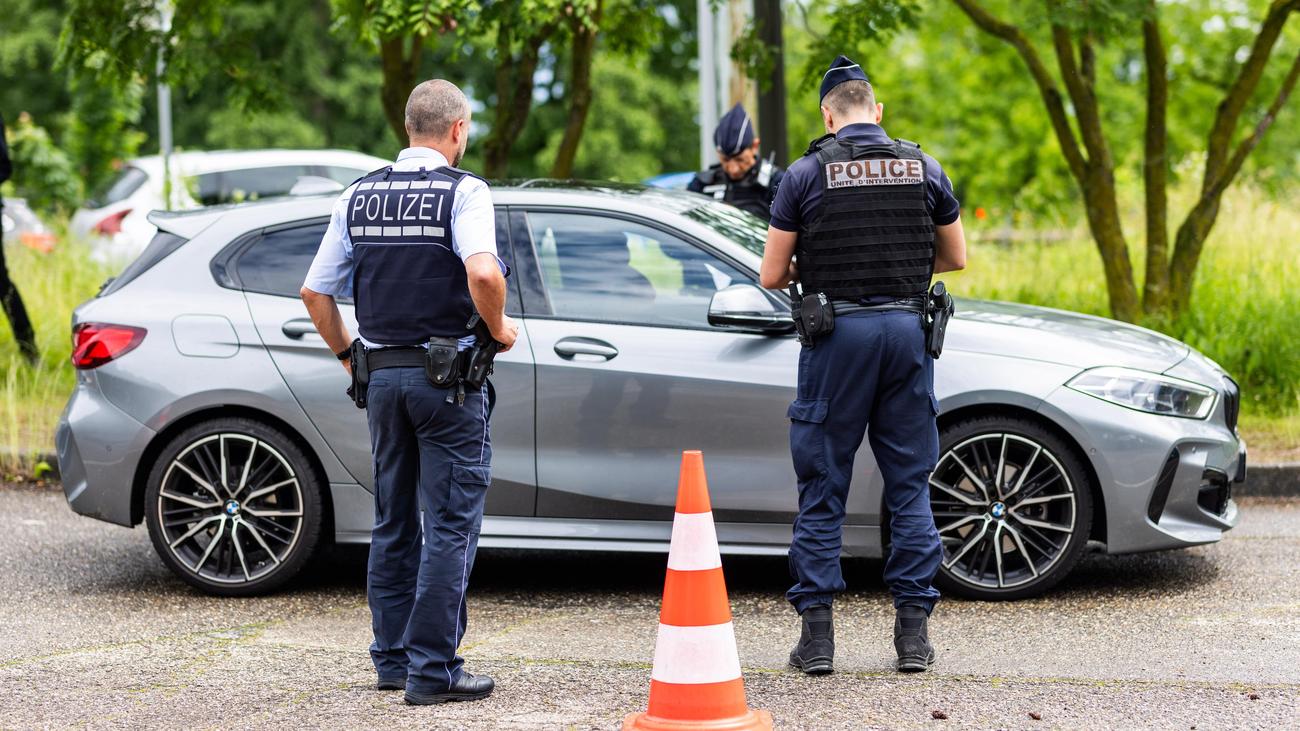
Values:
[(696, 681)]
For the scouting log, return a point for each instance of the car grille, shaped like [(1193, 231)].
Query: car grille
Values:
[(1231, 402)]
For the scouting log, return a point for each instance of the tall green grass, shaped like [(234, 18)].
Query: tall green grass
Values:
[(33, 395), (1245, 302)]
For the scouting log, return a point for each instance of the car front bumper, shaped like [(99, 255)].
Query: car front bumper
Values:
[(99, 447), (1165, 482)]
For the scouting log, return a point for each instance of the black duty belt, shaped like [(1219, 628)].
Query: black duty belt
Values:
[(399, 357), (906, 304)]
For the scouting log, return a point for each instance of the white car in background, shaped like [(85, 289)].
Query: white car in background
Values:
[(115, 220)]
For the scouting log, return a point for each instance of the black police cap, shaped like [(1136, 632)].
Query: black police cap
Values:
[(842, 69), (735, 132)]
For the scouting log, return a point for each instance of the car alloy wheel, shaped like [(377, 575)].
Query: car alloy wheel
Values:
[(1012, 510), (233, 511)]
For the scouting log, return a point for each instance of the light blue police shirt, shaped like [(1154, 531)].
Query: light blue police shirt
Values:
[(473, 230)]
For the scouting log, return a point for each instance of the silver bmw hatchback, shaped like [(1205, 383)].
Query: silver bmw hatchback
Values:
[(208, 408)]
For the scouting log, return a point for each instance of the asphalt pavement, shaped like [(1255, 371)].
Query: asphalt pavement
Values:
[(94, 632)]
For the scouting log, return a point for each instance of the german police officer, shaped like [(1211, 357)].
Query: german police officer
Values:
[(415, 244), (739, 178), (862, 222)]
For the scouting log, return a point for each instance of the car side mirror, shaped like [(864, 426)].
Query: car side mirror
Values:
[(746, 307)]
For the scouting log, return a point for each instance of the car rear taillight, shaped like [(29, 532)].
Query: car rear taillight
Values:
[(96, 343), (112, 224)]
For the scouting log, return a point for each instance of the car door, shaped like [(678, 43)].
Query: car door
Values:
[(630, 374), (270, 267)]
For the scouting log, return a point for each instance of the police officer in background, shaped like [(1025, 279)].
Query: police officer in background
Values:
[(415, 244), (866, 221), (739, 178)]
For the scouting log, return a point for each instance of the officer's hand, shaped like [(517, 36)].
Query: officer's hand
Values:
[(347, 366), (506, 333), (794, 270)]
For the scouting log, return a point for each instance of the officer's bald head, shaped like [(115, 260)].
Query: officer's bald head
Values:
[(433, 108)]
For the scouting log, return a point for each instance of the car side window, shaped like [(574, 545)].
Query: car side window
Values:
[(277, 262), (612, 270)]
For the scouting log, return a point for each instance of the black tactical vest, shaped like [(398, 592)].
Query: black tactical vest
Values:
[(408, 282), (752, 193), (872, 234)]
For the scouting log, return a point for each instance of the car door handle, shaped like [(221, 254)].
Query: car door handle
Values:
[(569, 348), (297, 328)]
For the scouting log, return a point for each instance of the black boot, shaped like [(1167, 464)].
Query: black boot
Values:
[(912, 640), (815, 653), (468, 687)]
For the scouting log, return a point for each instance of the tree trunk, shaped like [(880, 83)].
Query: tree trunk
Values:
[(1196, 228), (12, 303), (1104, 223), (401, 71), (1155, 167), (579, 96), (514, 90)]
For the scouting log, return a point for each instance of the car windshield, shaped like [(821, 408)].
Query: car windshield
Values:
[(740, 226)]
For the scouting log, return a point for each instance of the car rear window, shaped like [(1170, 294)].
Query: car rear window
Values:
[(162, 245), (237, 186), (117, 188)]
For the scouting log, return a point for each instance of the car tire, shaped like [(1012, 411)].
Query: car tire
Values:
[(1031, 528), (234, 507)]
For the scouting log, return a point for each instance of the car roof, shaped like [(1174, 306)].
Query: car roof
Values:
[(632, 198)]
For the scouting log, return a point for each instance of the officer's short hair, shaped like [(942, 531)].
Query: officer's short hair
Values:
[(849, 96), (433, 107)]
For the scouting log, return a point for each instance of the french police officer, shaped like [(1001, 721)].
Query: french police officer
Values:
[(415, 244), (862, 222), (739, 178)]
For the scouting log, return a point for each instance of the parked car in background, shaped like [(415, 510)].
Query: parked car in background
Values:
[(115, 217), (21, 225), (208, 408)]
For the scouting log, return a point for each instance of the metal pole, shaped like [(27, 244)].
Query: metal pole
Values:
[(165, 105), (708, 80), (772, 127)]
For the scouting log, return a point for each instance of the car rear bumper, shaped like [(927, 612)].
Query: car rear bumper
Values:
[(1165, 482), (99, 447)]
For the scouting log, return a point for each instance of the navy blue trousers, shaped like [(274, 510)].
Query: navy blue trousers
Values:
[(431, 461), (871, 371)]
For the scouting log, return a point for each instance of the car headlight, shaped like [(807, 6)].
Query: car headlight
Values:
[(1144, 391)]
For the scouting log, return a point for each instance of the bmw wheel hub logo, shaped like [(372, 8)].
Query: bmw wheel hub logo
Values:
[(998, 510), (232, 507)]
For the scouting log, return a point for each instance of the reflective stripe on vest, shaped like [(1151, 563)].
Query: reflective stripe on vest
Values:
[(408, 282), (872, 234)]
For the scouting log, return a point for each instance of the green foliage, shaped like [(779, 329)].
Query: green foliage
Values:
[(43, 174), (376, 20), (103, 128), (634, 129)]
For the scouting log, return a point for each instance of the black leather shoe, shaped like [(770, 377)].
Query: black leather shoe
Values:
[(815, 653), (391, 683), (912, 640), (469, 687)]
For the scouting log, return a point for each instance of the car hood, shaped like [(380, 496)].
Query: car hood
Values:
[(1057, 336)]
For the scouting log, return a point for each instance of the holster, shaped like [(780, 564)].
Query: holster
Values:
[(939, 308), (442, 364), (360, 374), (481, 357), (813, 315)]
